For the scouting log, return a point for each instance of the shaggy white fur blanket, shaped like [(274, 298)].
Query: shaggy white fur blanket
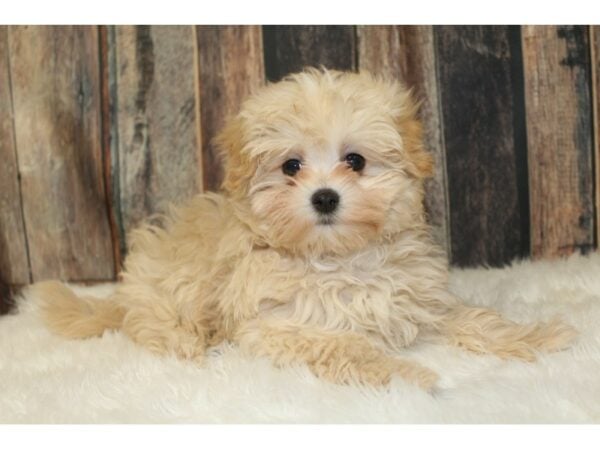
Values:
[(45, 379)]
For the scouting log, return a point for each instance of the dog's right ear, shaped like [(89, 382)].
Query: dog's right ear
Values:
[(420, 161), (238, 167), (421, 164)]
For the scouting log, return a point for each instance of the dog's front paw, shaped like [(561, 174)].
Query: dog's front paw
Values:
[(416, 374), (380, 372), (182, 345), (557, 336)]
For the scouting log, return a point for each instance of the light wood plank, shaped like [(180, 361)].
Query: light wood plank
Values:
[(14, 264), (56, 90), (158, 148), (559, 136), (231, 67)]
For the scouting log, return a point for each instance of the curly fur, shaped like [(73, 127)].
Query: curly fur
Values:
[(253, 265)]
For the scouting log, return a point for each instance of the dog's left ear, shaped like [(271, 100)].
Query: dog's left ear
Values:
[(420, 161)]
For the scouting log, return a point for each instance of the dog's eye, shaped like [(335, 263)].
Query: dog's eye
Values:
[(291, 167), (355, 161)]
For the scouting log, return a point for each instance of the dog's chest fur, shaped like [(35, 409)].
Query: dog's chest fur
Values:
[(378, 291)]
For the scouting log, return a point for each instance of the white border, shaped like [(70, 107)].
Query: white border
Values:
[(291, 437), (299, 12)]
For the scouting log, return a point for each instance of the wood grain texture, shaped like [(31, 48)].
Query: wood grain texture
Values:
[(595, 63), (230, 68), (559, 135), (157, 152), (14, 263), (110, 140), (56, 91), (407, 53), (485, 142), (289, 49)]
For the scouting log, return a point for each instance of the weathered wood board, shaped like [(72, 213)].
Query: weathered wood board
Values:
[(289, 49), (407, 53), (559, 137), (230, 68), (157, 152), (14, 264), (56, 98), (484, 141)]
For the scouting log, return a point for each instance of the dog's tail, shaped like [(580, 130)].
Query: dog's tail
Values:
[(76, 317)]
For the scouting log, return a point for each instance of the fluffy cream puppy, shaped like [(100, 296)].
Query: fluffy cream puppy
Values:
[(316, 252)]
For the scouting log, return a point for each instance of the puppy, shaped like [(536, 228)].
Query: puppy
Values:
[(316, 252)]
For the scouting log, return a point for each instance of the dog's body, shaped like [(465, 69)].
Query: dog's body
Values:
[(317, 251)]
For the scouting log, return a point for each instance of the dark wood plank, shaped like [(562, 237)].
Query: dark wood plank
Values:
[(110, 136), (595, 63), (485, 143), (559, 135), (157, 153), (6, 302), (56, 90), (14, 263), (289, 49), (230, 68), (407, 53)]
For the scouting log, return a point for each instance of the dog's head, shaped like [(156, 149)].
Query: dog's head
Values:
[(326, 161)]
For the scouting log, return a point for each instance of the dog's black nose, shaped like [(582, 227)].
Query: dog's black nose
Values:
[(325, 201)]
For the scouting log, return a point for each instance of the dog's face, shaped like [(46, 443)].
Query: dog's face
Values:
[(327, 161)]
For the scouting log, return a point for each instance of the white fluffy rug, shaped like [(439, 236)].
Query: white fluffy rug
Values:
[(45, 379)]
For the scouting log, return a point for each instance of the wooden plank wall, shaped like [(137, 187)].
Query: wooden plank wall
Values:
[(483, 143), (595, 63), (155, 113), (559, 138), (120, 123), (58, 141), (231, 68), (291, 48), (14, 259), (407, 53)]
